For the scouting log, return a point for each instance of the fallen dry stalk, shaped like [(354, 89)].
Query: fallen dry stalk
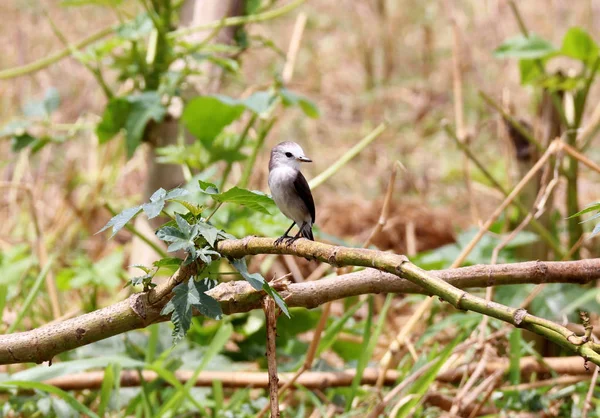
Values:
[(143, 309), (229, 379)]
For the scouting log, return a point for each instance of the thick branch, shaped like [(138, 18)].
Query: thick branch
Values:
[(142, 309)]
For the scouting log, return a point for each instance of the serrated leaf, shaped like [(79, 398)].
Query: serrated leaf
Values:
[(207, 187), (531, 47), (206, 255), (158, 199), (578, 44), (290, 98), (193, 208), (251, 199), (119, 221), (209, 232), (187, 296)]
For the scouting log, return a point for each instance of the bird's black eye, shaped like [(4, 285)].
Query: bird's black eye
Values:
[(288, 154)]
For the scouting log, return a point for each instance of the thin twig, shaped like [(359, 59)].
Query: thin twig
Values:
[(271, 316), (587, 404)]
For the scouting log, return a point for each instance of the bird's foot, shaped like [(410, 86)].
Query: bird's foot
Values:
[(291, 240), (282, 238)]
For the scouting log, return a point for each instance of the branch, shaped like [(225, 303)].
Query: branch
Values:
[(309, 380), (143, 309)]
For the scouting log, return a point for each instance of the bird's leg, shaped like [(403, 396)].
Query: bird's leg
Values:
[(290, 240), (285, 235)]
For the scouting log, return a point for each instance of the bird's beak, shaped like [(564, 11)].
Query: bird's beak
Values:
[(304, 159)]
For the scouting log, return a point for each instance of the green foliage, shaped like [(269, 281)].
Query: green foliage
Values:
[(522, 47), (258, 282), (533, 52), (594, 207), (131, 113), (251, 199), (188, 296)]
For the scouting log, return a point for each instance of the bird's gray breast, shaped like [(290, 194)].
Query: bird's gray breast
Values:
[(281, 183)]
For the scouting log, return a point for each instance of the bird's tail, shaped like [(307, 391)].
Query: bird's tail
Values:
[(306, 231)]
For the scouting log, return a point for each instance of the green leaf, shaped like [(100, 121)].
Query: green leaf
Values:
[(422, 385), (135, 29), (158, 199), (591, 208), (290, 98), (578, 44), (258, 282), (119, 221), (207, 187), (334, 329), (206, 116), (193, 208), (44, 107), (145, 107), (188, 296), (530, 71), (169, 262), (251, 199), (113, 119), (18, 142), (15, 128), (216, 345), (209, 232), (65, 396), (531, 47)]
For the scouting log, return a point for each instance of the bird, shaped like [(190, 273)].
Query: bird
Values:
[(290, 190)]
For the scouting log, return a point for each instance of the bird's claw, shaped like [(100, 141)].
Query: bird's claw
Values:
[(282, 238)]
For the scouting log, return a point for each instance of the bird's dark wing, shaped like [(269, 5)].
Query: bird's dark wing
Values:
[(303, 190)]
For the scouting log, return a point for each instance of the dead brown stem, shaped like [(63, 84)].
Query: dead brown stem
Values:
[(271, 317)]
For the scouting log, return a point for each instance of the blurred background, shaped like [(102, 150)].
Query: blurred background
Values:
[(100, 128)]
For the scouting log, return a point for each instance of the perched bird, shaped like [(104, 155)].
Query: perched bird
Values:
[(290, 189)]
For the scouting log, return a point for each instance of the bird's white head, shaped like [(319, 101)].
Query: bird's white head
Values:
[(287, 154)]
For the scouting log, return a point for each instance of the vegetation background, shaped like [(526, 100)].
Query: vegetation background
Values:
[(381, 95)]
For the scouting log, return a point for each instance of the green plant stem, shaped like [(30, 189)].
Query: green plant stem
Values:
[(54, 58), (214, 211), (350, 154), (37, 285), (232, 21), (555, 99), (400, 266), (264, 131), (535, 224), (135, 232), (240, 144), (515, 123), (238, 20)]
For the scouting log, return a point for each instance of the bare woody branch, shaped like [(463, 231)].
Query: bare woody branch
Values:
[(399, 276)]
